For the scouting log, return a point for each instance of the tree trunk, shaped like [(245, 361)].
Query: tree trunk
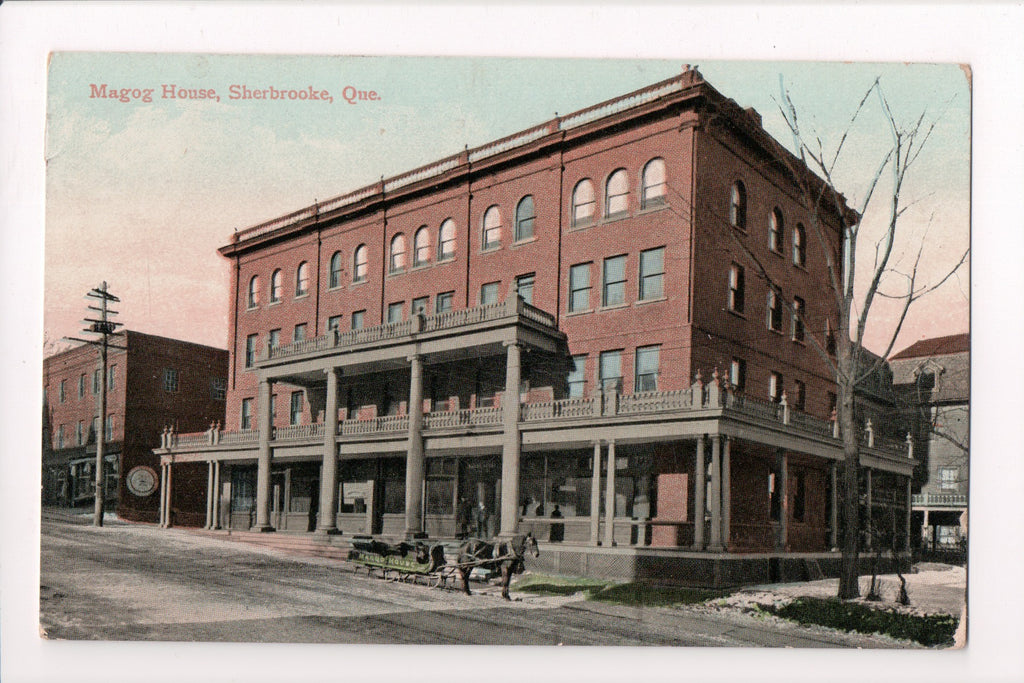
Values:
[(849, 571)]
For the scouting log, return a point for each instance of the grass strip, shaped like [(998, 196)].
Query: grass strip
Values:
[(929, 630), (629, 594)]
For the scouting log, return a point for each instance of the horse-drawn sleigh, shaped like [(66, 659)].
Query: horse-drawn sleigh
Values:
[(440, 562)]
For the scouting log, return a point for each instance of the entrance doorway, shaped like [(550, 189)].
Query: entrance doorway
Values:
[(480, 484)]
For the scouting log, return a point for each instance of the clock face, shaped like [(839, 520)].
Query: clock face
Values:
[(142, 480)]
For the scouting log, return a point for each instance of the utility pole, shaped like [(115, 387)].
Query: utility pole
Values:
[(104, 327)]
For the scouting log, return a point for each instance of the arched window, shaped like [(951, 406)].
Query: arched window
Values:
[(335, 273), (583, 202), (738, 206), (397, 258), (776, 230), (254, 292), (302, 279), (446, 240), (800, 245), (359, 264), (275, 286), (421, 247), (616, 193), (525, 215), (492, 228), (653, 187)]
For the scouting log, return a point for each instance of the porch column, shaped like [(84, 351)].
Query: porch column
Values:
[(783, 500), (609, 498), (265, 423), (716, 494), (833, 533), (169, 517), (595, 497), (163, 495), (726, 492), (700, 485), (209, 495), (216, 494), (867, 524), (909, 498), (414, 466), (327, 520), (510, 448)]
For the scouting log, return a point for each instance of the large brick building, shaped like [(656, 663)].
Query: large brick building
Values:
[(152, 383), (566, 317)]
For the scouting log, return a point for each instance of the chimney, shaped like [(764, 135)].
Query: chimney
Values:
[(752, 113)]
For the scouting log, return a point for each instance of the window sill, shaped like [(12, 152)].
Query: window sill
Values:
[(615, 217), (395, 273), (358, 283), (800, 266), (420, 266), (776, 252), (446, 259), (490, 249), (252, 308), (523, 243), (738, 314), (583, 224), (654, 207), (302, 296), (778, 332), (613, 307), (572, 314), (274, 303), (652, 300), (336, 288)]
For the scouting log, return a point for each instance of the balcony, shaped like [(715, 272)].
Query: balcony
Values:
[(942, 500)]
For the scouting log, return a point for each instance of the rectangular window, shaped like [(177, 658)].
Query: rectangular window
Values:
[(218, 388), (274, 339), (948, 478), (614, 281), (524, 287), (421, 304), (647, 360), (610, 370), (489, 293), (171, 380), (81, 386), (833, 402), (798, 319), (273, 407), (738, 374), (652, 273), (395, 311), (799, 497), (774, 315), (246, 421), (250, 350), (443, 302), (299, 334), (108, 429), (775, 387), (111, 377), (736, 288), (63, 390), (60, 436), (830, 338), (800, 398), (295, 414), (358, 319), (80, 433), (95, 382), (579, 287), (94, 429), (334, 323), (577, 376)]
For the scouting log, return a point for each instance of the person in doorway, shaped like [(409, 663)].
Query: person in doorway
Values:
[(465, 513), (481, 520), (557, 528)]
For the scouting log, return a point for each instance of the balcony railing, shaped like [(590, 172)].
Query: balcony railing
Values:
[(467, 417), (374, 425), (299, 432), (390, 331), (939, 499)]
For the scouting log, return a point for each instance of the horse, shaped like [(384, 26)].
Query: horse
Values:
[(505, 556)]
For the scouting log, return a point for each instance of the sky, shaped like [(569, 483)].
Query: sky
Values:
[(141, 193)]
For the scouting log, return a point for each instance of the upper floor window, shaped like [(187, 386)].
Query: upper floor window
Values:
[(525, 216), (302, 279), (610, 370), (360, 264), (492, 228), (799, 245), (738, 374), (583, 202), (62, 391), (80, 432), (736, 288), (81, 386), (395, 311), (489, 293), (275, 286), (96, 376), (775, 387), (358, 319), (738, 206), (579, 287), (774, 316), (830, 338), (245, 421), (653, 186), (60, 436), (250, 350), (299, 333), (171, 380), (800, 395), (420, 304), (446, 240), (798, 318), (775, 231), (108, 428), (614, 281), (397, 254), (218, 388), (577, 376), (524, 287), (443, 302), (334, 278), (334, 323), (111, 377), (616, 193), (948, 478), (274, 339), (652, 273), (647, 366), (295, 414), (253, 299), (421, 247)]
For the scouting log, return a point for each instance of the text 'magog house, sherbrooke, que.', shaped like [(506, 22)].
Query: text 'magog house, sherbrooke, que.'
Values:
[(568, 316)]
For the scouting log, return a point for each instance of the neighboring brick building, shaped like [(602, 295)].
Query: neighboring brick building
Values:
[(599, 266), (153, 383), (932, 379)]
